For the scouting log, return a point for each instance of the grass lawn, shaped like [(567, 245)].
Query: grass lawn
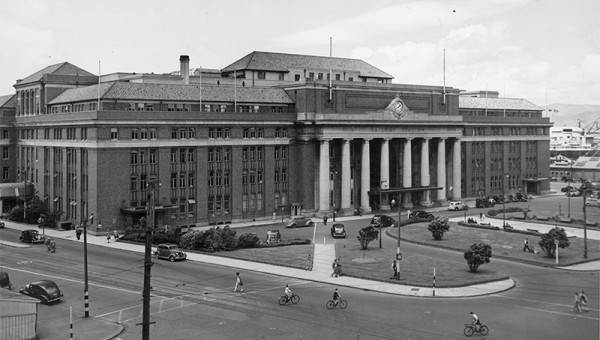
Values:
[(504, 244)]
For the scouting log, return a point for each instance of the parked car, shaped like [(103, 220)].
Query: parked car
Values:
[(385, 220), (521, 197), (484, 203), (420, 214), (592, 201), (338, 230), (299, 221), (45, 290), (170, 252), (456, 205), (32, 236)]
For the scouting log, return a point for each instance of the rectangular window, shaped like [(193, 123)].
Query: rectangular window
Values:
[(144, 133), (280, 76), (4, 152), (174, 133), (192, 133), (83, 133), (337, 76), (261, 75), (320, 76), (297, 77), (134, 134), (153, 133), (114, 134), (311, 75)]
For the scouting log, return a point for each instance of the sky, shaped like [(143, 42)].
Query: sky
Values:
[(545, 51)]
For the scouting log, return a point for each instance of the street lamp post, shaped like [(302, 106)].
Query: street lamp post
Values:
[(504, 202), (398, 254), (569, 187), (380, 204)]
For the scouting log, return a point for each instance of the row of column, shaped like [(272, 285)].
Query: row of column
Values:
[(365, 180)]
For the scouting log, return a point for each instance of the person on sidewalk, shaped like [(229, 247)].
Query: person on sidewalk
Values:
[(47, 243), (338, 269), (238, 283), (116, 235), (334, 266), (325, 220), (108, 236), (52, 246), (395, 269), (78, 232)]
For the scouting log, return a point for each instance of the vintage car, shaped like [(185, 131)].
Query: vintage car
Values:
[(32, 236), (338, 230), (169, 252), (273, 236), (45, 290), (299, 221), (385, 220), (457, 205), (420, 214)]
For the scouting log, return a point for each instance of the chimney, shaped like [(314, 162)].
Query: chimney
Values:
[(184, 68)]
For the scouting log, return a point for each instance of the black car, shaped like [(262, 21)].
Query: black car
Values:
[(484, 203), (338, 230), (420, 214), (45, 290), (385, 220), (32, 236)]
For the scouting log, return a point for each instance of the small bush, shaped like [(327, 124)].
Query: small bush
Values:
[(248, 240), (492, 212)]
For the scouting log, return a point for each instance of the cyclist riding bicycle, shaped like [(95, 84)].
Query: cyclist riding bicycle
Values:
[(336, 297), (288, 292), (476, 321)]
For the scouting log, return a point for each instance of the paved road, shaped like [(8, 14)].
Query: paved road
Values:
[(194, 299)]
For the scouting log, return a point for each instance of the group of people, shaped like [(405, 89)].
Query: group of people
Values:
[(51, 245), (337, 268), (114, 234), (580, 301)]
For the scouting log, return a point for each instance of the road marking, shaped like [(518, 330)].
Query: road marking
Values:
[(76, 281), (544, 310)]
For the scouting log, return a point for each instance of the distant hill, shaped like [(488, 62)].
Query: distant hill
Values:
[(575, 115)]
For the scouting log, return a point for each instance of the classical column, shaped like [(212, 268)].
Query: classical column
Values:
[(345, 204), (456, 170), (384, 171), (365, 177), (441, 170), (425, 178), (406, 173), (324, 176)]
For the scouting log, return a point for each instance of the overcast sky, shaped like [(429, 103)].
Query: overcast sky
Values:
[(526, 49)]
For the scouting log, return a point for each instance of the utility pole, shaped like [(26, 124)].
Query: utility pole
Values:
[(380, 203), (149, 219), (86, 296)]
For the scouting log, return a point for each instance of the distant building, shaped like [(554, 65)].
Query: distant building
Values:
[(271, 132)]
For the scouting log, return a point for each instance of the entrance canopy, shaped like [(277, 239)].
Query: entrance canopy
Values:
[(17, 189)]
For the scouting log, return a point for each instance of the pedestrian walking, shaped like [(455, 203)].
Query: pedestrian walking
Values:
[(47, 243), (238, 283), (325, 220), (583, 298), (52, 246), (526, 246), (481, 216), (309, 262), (395, 269), (334, 266), (116, 234), (108, 236), (576, 304), (78, 232)]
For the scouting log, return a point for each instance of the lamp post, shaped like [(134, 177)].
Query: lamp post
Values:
[(569, 191), (380, 204), (398, 254), (504, 202)]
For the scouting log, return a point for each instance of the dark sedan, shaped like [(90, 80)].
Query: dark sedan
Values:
[(32, 236), (338, 230), (45, 290), (421, 214), (385, 220)]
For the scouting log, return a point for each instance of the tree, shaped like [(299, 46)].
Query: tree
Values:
[(366, 235), (547, 241), (478, 254), (438, 227)]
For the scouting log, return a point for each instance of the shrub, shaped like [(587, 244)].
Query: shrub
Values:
[(366, 235), (547, 241), (248, 240), (438, 227), (478, 254), (492, 212)]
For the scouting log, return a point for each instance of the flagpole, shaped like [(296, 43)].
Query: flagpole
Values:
[(99, 72), (330, 68), (234, 91), (200, 82)]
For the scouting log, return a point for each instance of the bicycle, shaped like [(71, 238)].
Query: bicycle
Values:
[(470, 329), (284, 299), (331, 304)]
